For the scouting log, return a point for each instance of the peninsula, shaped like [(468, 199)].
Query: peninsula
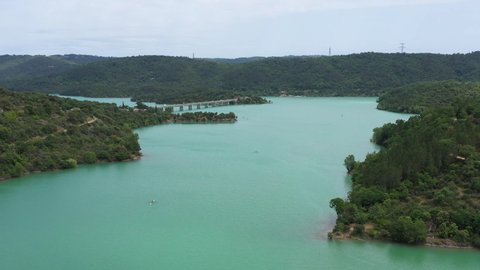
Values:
[(42, 133)]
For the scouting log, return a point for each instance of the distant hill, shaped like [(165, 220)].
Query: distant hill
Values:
[(419, 97), (179, 79), (21, 67)]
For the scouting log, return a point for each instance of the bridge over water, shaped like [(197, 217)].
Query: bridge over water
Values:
[(198, 105)]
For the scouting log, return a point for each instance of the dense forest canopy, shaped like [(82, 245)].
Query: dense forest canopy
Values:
[(179, 79), (21, 67), (419, 97), (40, 132), (423, 185)]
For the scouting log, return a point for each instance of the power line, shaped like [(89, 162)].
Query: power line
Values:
[(402, 47)]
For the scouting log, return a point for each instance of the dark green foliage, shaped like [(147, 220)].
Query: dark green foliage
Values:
[(140, 106), (366, 197), (405, 230), (476, 241), (178, 79), (252, 100), (198, 117), (349, 163), (338, 204), (21, 67), (424, 181), (40, 132), (69, 163), (419, 97), (89, 157), (358, 230)]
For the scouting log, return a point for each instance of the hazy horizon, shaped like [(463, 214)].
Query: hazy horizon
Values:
[(239, 57)]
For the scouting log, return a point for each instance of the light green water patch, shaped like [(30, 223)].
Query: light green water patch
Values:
[(248, 195)]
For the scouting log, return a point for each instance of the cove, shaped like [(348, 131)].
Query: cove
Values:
[(248, 195)]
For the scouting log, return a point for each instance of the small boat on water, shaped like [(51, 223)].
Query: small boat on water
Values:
[(151, 202)]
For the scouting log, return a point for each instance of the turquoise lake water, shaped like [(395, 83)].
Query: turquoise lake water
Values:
[(249, 195)]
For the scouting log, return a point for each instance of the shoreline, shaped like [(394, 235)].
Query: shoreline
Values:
[(133, 158), (431, 241), (426, 245), (169, 122)]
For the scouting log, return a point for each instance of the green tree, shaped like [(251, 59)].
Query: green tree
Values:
[(140, 105), (405, 230), (338, 204), (89, 157), (349, 163)]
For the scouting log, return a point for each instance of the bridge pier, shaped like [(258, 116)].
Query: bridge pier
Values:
[(180, 108), (198, 106), (190, 107)]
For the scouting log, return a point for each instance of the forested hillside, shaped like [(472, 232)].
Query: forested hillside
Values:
[(178, 79), (422, 186), (419, 97), (22, 67), (41, 133)]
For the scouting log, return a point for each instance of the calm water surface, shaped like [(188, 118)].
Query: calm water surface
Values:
[(249, 195)]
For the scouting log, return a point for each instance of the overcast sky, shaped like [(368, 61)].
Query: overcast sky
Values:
[(236, 28)]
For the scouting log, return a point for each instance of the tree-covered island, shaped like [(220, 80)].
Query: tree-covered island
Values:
[(42, 133)]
